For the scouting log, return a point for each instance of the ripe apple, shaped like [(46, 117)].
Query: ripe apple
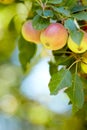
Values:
[(84, 63), (29, 33), (78, 48), (54, 37), (7, 1)]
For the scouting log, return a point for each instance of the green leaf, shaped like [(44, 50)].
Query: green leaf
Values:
[(39, 12), (70, 3), (40, 23), (55, 1), (26, 52), (62, 10), (48, 13), (80, 16), (64, 60), (70, 25), (60, 80), (45, 14), (76, 93), (53, 68), (78, 8), (77, 36)]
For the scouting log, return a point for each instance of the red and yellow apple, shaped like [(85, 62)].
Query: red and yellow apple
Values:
[(7, 1), (54, 37), (29, 33), (74, 47), (84, 63)]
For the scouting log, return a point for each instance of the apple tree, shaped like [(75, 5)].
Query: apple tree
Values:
[(59, 26)]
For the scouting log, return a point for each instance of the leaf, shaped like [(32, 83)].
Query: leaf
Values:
[(45, 14), (40, 23), (60, 80), (62, 10), (48, 13), (77, 36), (78, 8), (76, 93), (70, 3), (55, 1), (39, 12), (26, 52), (53, 68), (70, 25), (80, 16), (64, 60)]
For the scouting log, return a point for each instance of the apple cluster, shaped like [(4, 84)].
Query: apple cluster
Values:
[(55, 37)]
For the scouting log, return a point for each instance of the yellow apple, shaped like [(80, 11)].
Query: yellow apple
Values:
[(54, 37), (29, 33), (78, 48), (84, 63)]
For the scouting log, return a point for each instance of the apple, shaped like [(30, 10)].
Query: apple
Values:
[(7, 36), (22, 14), (29, 33), (74, 47), (11, 11), (7, 1), (84, 63), (54, 37), (6, 15)]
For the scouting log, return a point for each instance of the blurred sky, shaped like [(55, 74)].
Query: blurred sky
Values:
[(35, 86)]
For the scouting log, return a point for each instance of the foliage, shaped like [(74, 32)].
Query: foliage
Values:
[(72, 14)]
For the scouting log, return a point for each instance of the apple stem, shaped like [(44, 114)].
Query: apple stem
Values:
[(83, 25), (76, 67), (43, 5), (78, 60)]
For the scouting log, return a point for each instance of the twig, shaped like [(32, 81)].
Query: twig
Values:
[(74, 63)]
